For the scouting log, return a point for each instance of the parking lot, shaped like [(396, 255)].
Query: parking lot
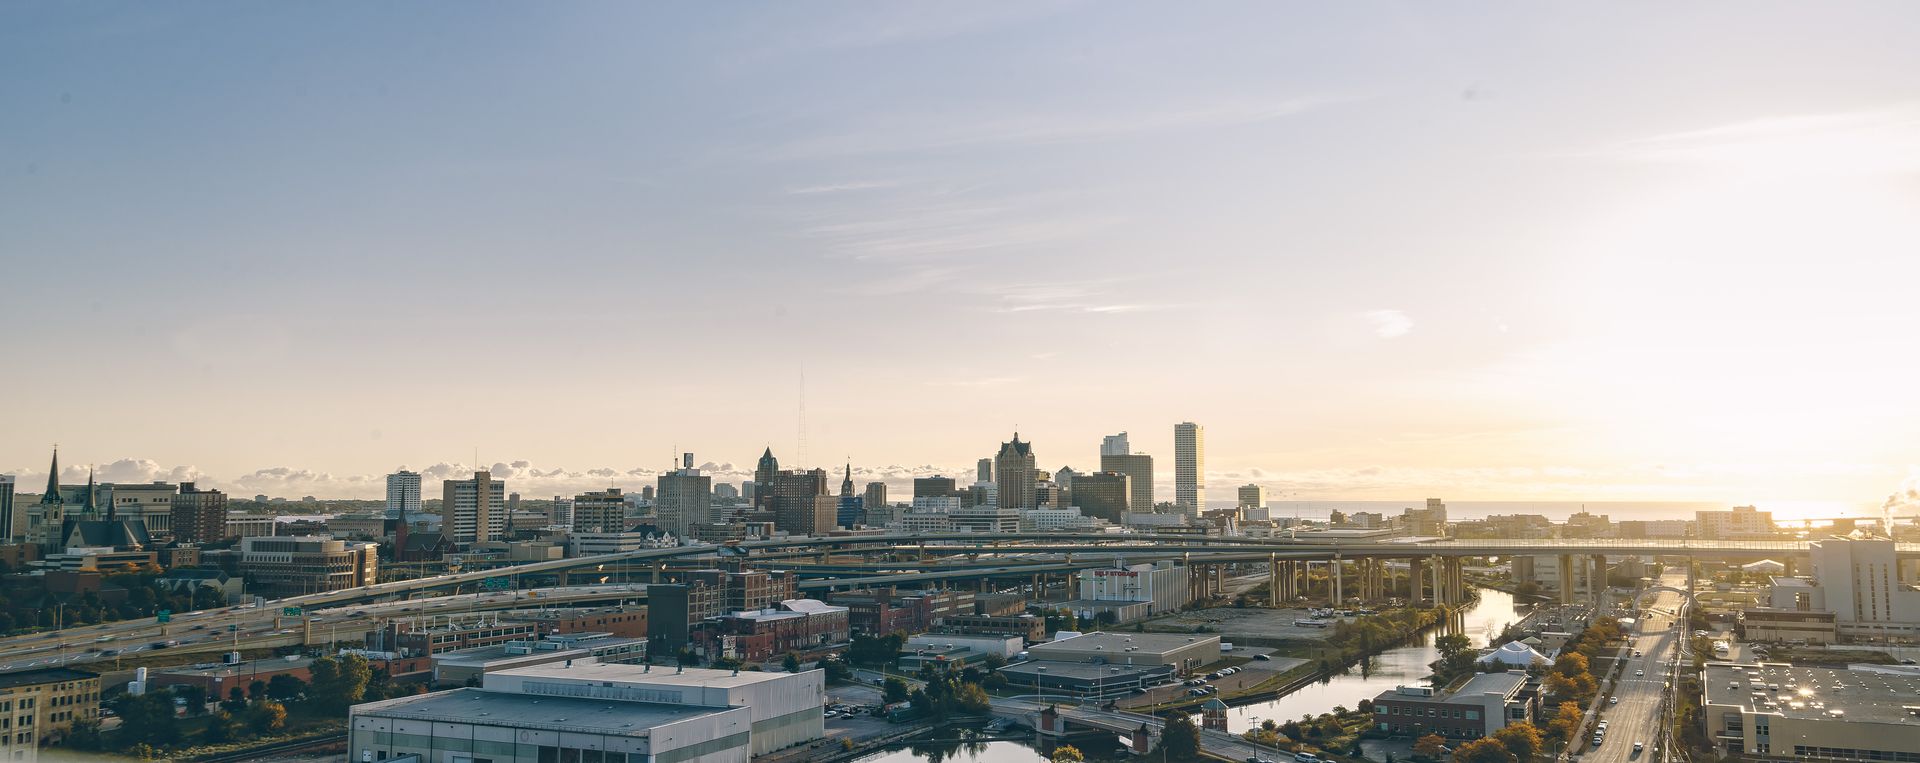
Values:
[(1251, 622)]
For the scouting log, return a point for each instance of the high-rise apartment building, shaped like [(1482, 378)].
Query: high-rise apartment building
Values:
[(875, 495), (1190, 468), (1139, 470), (199, 516), (1018, 474), (685, 499), (473, 511), (601, 511), (1252, 496), (1106, 495), (1115, 445), (403, 494), (562, 514)]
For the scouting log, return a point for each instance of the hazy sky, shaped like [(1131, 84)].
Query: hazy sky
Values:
[(1507, 251)]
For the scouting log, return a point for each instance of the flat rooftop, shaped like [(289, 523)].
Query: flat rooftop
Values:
[(660, 675), (1849, 696), (237, 669), (1504, 684), (1118, 642), (1026, 671), (595, 716)]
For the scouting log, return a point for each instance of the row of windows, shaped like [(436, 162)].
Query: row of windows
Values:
[(1849, 753), (1461, 732), (1432, 712)]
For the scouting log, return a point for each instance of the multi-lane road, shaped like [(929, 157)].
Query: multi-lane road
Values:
[(244, 627), (1634, 716)]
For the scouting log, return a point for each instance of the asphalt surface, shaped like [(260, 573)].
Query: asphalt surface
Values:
[(223, 628), (1636, 717)]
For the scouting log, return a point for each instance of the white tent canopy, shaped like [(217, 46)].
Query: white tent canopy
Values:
[(1513, 654)]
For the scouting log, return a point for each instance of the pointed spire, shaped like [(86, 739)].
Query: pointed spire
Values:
[(768, 453), (87, 500), (53, 480)]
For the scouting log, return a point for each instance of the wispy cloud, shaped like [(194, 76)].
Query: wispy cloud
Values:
[(1389, 324), (1873, 141), (923, 132), (843, 187)]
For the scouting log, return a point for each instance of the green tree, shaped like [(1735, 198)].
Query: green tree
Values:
[(895, 690), (1180, 739), (196, 697), (85, 735), (1522, 739), (146, 719), (1483, 750), (1429, 747), (792, 663), (222, 727), (1067, 753), (285, 687), (837, 670), (973, 699), (339, 683)]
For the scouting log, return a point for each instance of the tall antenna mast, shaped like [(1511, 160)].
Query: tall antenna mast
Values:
[(802, 444)]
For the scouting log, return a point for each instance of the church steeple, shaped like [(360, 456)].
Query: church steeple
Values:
[(846, 485), (52, 495), (89, 508)]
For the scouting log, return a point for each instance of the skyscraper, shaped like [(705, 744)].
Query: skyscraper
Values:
[(1252, 496), (983, 471), (802, 502), (562, 511), (403, 494), (1115, 445), (1190, 468), (935, 487), (1106, 495), (472, 511), (763, 473), (1014, 466), (875, 496), (13, 528), (685, 498), (1139, 470)]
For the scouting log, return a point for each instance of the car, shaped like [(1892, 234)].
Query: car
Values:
[(1262, 657), (105, 639), (1638, 653), (1305, 757), (1613, 700), (1639, 672), (1597, 739), (1638, 746), (1601, 727)]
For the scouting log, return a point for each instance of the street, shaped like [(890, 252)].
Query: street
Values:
[(1637, 716)]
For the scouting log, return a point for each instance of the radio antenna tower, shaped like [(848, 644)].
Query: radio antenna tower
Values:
[(802, 444)]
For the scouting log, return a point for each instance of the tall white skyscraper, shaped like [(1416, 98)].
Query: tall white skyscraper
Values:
[(403, 494), (562, 511), (1190, 468), (1115, 445), (685, 499)]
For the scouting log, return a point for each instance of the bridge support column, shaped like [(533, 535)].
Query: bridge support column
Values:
[(1416, 580), (1273, 580), (1597, 580), (1457, 580), (1338, 592), (1566, 578)]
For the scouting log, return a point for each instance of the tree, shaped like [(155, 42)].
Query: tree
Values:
[(1483, 750), (973, 699), (1522, 739), (222, 727), (85, 735), (792, 663), (195, 695), (146, 719), (994, 662), (267, 716), (1571, 664), (339, 684), (1565, 723), (1067, 753), (1429, 747), (895, 690), (837, 670), (1180, 739)]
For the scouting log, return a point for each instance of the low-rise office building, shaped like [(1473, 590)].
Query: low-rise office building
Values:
[(42, 705), (785, 706), (1790, 626), (621, 621), (798, 625), (1028, 627), (1085, 680), (1475, 707), (278, 567)]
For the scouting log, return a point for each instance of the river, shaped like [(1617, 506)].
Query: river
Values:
[(1394, 667)]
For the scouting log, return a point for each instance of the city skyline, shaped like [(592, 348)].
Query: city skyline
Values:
[(1544, 253)]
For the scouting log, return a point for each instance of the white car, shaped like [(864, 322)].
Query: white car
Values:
[(1639, 672), (1613, 700)]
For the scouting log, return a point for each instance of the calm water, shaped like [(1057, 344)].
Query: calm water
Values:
[(1394, 667), (1559, 510), (1405, 665)]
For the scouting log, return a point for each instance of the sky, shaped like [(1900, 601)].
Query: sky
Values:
[(1511, 251)]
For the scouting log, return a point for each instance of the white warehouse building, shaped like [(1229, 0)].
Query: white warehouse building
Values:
[(597, 713)]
